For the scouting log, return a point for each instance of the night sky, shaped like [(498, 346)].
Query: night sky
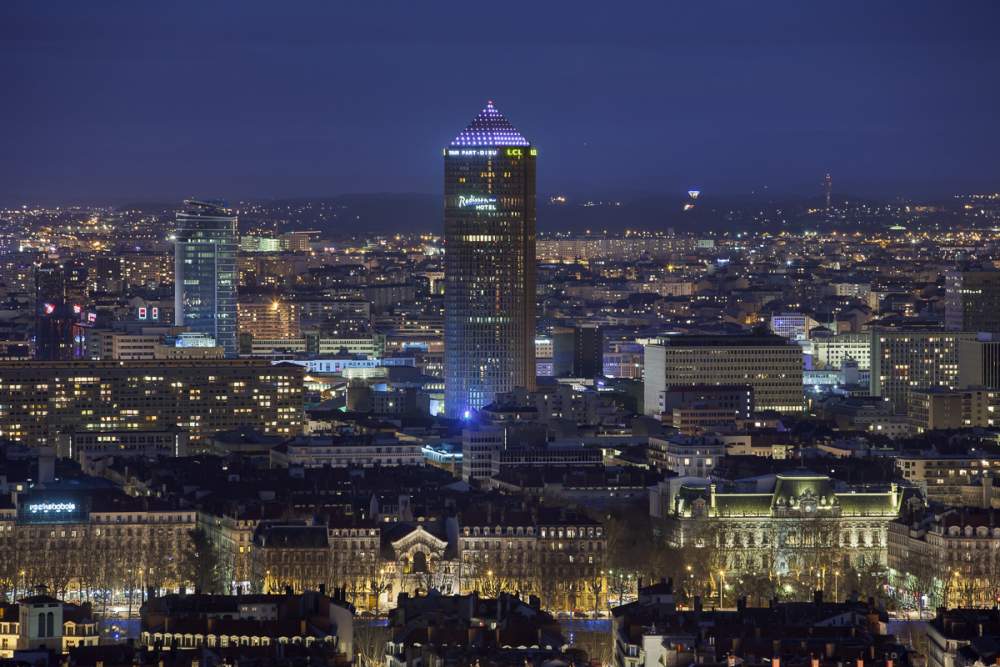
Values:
[(160, 100)]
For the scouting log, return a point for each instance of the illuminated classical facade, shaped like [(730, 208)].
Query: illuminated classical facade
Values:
[(785, 523)]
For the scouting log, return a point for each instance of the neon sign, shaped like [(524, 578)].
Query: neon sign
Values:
[(477, 203), (45, 508), (472, 152), (514, 152)]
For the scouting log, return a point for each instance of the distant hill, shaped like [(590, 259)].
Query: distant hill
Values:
[(388, 213), (346, 215)]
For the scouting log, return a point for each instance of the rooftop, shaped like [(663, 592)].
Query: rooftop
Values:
[(490, 128)]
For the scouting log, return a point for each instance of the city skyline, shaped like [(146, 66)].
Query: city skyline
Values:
[(684, 351), (736, 98)]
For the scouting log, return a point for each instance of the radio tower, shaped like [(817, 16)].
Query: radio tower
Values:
[(828, 188)]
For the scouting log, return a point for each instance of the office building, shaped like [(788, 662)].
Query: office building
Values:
[(578, 351), (268, 318), (832, 351), (60, 298), (943, 477), (795, 326), (767, 363), (205, 272), (938, 409), (40, 400), (979, 362), (489, 224), (89, 446), (972, 301), (904, 360)]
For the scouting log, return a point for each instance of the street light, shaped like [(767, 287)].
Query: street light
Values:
[(722, 583)]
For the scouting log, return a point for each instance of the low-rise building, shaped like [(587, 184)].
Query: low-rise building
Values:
[(686, 456), (42, 622), (947, 558), (963, 637), (942, 477), (938, 409), (653, 632), (340, 451), (178, 622), (470, 630)]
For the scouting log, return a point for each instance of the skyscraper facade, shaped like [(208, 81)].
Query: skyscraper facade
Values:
[(489, 220), (60, 299), (205, 272), (972, 301)]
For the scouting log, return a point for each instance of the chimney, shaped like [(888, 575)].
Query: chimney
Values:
[(322, 589), (288, 590), (860, 662), (814, 662), (731, 660), (818, 597), (697, 603), (775, 662)]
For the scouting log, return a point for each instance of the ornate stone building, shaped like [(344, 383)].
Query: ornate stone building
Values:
[(556, 555), (70, 539), (780, 524), (949, 557)]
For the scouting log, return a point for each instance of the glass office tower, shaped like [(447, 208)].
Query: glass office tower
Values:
[(489, 227), (205, 272)]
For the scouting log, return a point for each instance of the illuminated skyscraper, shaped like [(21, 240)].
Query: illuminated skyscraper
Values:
[(60, 296), (489, 226), (205, 272)]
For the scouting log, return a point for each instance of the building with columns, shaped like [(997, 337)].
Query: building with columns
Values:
[(782, 524)]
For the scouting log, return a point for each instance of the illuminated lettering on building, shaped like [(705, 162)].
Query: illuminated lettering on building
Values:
[(514, 152), (472, 152), (44, 508), (477, 203)]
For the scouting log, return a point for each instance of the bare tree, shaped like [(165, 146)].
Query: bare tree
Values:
[(370, 643)]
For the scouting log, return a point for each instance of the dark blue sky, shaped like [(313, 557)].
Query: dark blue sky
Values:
[(258, 99)]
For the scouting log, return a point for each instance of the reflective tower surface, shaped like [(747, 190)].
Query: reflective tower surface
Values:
[(489, 228), (205, 272)]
